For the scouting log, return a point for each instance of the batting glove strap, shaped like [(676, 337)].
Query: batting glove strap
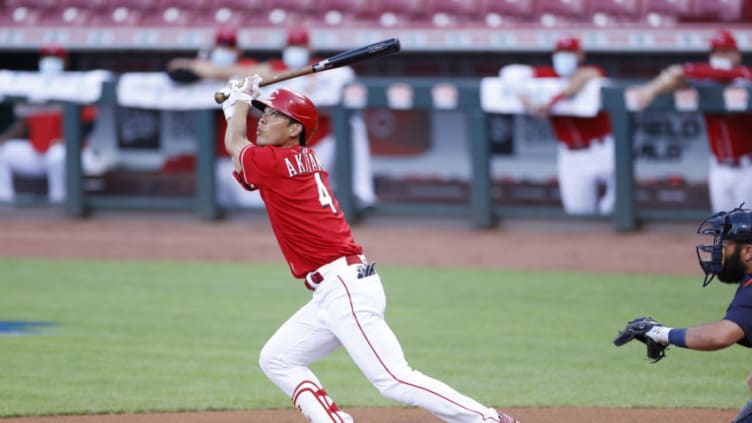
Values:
[(228, 107)]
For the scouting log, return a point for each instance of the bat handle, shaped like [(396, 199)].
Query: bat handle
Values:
[(220, 97)]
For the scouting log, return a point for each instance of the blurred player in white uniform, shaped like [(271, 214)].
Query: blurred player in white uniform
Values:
[(586, 146), (33, 147)]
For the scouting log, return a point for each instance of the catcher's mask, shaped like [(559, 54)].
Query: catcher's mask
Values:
[(735, 225)]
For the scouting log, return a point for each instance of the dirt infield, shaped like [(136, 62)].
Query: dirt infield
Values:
[(581, 246), (409, 415)]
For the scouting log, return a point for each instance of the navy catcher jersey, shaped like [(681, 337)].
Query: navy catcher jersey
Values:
[(740, 310)]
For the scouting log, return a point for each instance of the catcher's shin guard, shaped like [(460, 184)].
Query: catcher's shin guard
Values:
[(316, 405)]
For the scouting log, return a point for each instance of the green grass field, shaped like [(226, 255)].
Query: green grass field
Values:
[(166, 336)]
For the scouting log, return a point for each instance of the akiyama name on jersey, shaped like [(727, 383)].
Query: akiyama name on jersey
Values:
[(304, 162)]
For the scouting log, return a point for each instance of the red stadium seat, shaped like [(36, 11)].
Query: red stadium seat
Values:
[(26, 12), (235, 13), (291, 12), (20, 15), (343, 12), (124, 12), (66, 16), (661, 12), (718, 10), (605, 12), (552, 12), (452, 12), (73, 12), (496, 12), (176, 12), (400, 12), (90, 4)]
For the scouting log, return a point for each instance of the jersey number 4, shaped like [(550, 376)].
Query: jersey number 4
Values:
[(325, 198)]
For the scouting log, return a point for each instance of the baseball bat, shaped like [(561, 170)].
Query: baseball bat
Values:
[(359, 54)]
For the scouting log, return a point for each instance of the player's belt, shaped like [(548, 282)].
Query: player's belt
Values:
[(586, 145), (314, 279), (744, 160)]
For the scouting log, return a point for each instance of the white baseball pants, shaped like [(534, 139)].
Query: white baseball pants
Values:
[(349, 312), (580, 173), (729, 186), (19, 157)]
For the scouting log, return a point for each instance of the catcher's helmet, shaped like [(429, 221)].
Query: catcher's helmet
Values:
[(295, 105), (735, 225)]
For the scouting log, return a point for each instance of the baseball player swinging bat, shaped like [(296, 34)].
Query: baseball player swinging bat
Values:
[(371, 51)]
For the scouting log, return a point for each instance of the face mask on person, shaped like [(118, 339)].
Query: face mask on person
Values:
[(223, 56), (565, 63), (295, 57), (723, 63), (50, 65)]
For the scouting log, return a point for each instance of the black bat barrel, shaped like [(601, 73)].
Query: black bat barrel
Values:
[(382, 48)]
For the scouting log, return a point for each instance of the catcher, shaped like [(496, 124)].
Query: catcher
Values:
[(729, 258)]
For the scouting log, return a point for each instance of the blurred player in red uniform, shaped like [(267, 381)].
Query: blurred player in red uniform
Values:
[(224, 61), (586, 146), (348, 302), (730, 172), (33, 145)]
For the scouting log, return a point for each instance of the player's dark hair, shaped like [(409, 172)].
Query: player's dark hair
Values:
[(301, 137)]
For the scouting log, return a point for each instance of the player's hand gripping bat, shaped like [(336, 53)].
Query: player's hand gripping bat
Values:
[(371, 51)]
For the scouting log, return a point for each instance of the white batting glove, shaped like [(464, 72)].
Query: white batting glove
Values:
[(228, 106), (247, 89)]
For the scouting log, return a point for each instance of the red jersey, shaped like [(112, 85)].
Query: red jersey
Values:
[(310, 228), (46, 126), (728, 134), (575, 132)]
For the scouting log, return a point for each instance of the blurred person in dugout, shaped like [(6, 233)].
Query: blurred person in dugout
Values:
[(32, 146), (730, 169), (225, 63), (585, 158)]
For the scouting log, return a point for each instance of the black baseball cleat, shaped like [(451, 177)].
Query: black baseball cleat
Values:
[(505, 418)]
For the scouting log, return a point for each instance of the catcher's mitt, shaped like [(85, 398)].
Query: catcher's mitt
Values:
[(636, 329)]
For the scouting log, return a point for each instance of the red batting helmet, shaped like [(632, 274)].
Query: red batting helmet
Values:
[(723, 40), (53, 50), (226, 37), (297, 37), (568, 44), (294, 105)]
